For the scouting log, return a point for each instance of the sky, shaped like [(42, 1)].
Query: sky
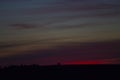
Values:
[(46, 32)]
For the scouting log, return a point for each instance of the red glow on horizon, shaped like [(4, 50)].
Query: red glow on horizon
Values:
[(85, 62), (92, 62)]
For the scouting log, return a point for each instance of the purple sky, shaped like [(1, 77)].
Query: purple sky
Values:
[(50, 31)]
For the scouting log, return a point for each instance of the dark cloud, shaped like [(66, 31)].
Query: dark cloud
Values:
[(69, 52), (80, 25), (70, 8), (13, 45), (10, 45), (13, 0), (23, 26)]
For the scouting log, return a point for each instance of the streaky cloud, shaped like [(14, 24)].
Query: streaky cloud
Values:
[(23, 26), (105, 51), (71, 8)]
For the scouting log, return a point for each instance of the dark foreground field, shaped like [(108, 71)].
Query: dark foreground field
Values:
[(60, 72)]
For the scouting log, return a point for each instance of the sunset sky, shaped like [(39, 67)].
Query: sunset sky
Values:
[(46, 32)]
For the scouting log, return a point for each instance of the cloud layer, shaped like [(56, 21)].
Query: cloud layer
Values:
[(81, 52), (49, 31), (23, 26)]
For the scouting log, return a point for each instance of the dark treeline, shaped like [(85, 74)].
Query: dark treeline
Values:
[(58, 72)]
